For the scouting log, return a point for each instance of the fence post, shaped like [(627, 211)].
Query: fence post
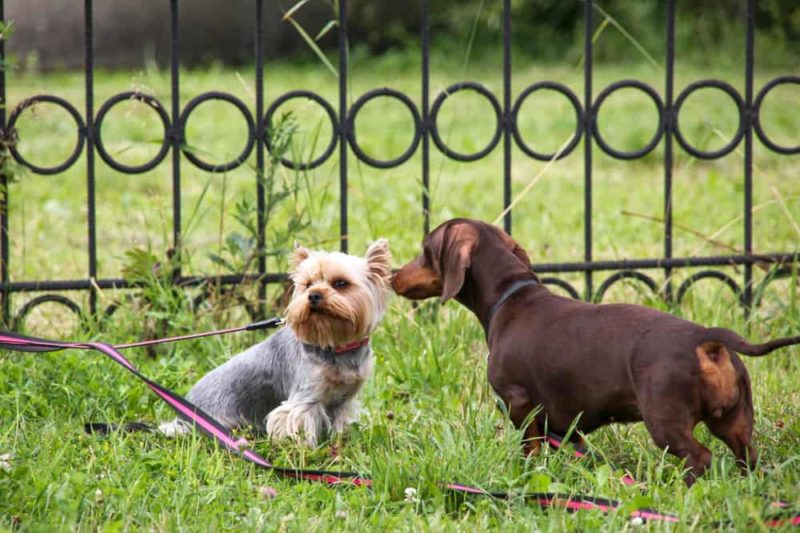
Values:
[(5, 160), (260, 132), (747, 295), (426, 125), (587, 147), (344, 126), (507, 114), (669, 86), (176, 136), (88, 24)]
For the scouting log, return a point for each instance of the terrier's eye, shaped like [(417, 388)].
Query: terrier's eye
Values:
[(340, 284)]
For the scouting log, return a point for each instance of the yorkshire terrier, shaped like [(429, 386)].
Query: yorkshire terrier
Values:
[(303, 379)]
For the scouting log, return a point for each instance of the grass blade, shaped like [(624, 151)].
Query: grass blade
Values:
[(294, 9), (325, 29), (313, 45), (630, 38)]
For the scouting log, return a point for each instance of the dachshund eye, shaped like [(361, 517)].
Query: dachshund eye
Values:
[(340, 284)]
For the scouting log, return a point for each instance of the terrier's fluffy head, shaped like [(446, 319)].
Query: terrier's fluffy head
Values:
[(338, 298)]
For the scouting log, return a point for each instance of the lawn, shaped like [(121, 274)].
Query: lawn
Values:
[(430, 415)]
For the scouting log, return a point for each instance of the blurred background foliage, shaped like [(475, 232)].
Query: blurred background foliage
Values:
[(133, 33)]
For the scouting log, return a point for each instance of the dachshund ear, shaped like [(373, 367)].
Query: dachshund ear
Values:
[(455, 258), (514, 247), (522, 254)]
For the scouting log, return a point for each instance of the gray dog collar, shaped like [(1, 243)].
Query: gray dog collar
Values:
[(517, 285)]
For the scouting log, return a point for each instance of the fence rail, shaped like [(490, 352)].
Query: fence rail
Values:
[(342, 117)]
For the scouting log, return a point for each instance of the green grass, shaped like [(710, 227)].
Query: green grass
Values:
[(430, 415)]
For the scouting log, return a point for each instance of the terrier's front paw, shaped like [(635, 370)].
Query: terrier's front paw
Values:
[(293, 420), (347, 414), (174, 428), (277, 422)]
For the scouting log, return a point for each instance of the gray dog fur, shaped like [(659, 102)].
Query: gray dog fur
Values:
[(298, 382), (283, 375)]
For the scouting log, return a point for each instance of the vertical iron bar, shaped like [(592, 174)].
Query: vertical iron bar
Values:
[(90, 140), (507, 113), (426, 29), (4, 245), (343, 125), (669, 86), (177, 135), (261, 205), (748, 155), (587, 145)]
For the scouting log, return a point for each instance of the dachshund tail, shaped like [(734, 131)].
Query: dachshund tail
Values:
[(736, 342)]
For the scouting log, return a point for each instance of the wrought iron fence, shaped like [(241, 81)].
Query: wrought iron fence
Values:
[(342, 118)]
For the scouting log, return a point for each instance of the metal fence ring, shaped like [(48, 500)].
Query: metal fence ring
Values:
[(769, 143), (737, 137), (76, 152), (361, 102), (710, 274), (314, 97), (654, 96), (18, 321), (162, 114), (565, 285), (775, 275), (621, 275), (576, 105), (437, 104), (238, 104)]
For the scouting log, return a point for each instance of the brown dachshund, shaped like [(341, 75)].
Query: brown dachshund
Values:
[(592, 363)]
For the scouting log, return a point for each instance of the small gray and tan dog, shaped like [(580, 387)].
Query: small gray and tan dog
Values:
[(303, 379)]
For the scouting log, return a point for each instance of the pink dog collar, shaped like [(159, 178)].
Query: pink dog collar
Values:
[(351, 346)]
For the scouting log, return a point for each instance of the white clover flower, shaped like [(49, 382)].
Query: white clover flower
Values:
[(5, 462), (411, 494)]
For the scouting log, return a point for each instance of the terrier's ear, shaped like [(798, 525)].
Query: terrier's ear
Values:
[(379, 262), (299, 254), (455, 257)]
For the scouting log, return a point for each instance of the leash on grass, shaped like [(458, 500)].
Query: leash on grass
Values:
[(783, 514), (239, 446), (183, 407)]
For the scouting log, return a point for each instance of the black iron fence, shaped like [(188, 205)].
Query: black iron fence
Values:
[(342, 118)]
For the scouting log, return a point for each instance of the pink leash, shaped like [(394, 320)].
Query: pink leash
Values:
[(183, 407), (202, 420)]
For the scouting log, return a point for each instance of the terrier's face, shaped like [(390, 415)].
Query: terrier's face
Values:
[(338, 298)]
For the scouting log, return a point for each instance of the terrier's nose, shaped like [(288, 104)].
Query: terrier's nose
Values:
[(315, 298)]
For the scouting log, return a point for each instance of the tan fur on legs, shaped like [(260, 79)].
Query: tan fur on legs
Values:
[(720, 391)]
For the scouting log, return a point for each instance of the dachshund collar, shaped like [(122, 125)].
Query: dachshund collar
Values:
[(516, 286)]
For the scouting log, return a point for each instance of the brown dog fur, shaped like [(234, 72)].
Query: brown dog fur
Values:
[(594, 364)]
